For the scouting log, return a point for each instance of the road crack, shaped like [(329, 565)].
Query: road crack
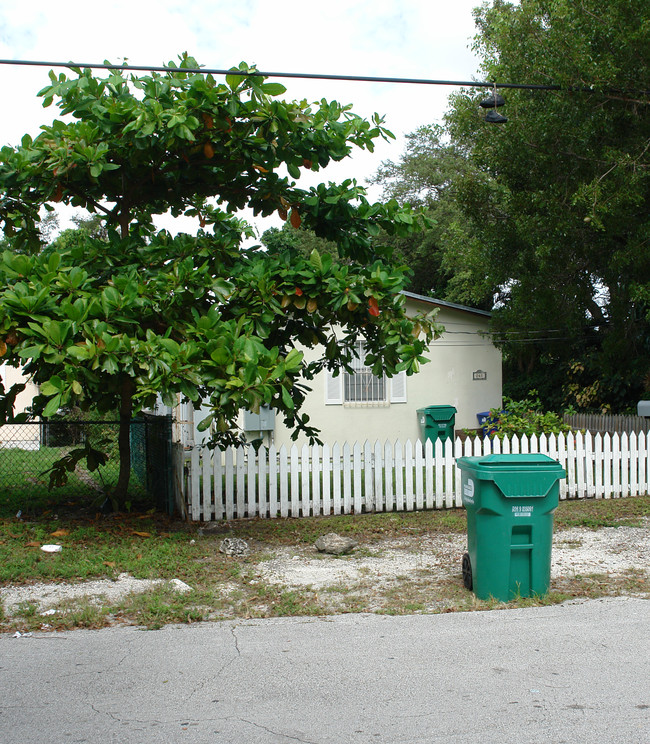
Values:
[(276, 733), (233, 630)]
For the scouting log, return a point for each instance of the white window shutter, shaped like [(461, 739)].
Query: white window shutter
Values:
[(398, 388), (333, 389)]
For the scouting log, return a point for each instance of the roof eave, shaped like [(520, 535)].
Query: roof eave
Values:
[(444, 303)]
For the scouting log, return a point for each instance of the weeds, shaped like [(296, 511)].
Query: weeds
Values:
[(27, 611), (597, 513), (162, 605), (84, 614)]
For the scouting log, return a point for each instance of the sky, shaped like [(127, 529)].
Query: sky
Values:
[(384, 38)]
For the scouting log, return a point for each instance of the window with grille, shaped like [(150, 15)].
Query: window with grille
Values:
[(363, 386)]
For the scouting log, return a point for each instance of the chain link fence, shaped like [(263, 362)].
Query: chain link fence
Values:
[(28, 451)]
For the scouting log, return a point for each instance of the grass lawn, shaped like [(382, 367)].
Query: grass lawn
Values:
[(151, 545), (24, 484)]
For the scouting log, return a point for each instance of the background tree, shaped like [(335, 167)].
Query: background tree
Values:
[(426, 176), (557, 205), (302, 240), (110, 320)]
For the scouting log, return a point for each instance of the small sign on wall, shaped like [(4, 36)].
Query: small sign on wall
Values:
[(480, 374)]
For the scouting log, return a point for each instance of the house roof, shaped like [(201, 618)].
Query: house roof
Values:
[(444, 303)]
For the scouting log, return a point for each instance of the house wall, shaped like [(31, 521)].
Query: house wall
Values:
[(448, 379), (12, 376), (16, 435)]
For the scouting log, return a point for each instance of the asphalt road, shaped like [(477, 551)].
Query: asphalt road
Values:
[(575, 673)]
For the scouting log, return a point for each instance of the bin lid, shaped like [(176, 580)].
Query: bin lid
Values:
[(524, 460), (516, 475), (438, 413)]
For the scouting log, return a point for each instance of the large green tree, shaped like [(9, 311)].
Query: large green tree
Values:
[(557, 216), (111, 319)]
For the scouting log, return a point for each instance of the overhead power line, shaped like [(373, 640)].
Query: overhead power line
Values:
[(493, 84), (259, 73)]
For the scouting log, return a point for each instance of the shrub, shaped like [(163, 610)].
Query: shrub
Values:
[(524, 417)]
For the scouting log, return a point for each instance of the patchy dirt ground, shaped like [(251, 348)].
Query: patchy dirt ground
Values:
[(421, 573), (387, 560), (611, 550), (47, 596)]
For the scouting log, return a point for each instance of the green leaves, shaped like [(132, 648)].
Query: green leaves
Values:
[(170, 345), (293, 360), (234, 81), (315, 260), (287, 400), (54, 389), (294, 170), (53, 386), (273, 89)]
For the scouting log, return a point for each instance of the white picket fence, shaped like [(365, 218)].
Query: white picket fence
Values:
[(352, 478)]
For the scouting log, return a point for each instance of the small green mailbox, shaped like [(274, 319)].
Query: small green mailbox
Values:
[(510, 502)]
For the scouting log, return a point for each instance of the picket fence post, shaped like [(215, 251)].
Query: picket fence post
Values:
[(378, 478), (252, 469), (294, 469), (357, 492), (207, 502), (262, 477), (450, 468), (430, 493), (419, 476), (388, 479), (399, 480), (406, 474), (607, 467), (642, 455), (284, 482), (368, 481), (616, 465), (274, 505), (305, 473), (634, 464), (599, 465), (347, 478), (327, 480), (589, 466), (625, 464), (316, 468)]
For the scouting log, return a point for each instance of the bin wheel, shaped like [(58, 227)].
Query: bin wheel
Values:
[(467, 572)]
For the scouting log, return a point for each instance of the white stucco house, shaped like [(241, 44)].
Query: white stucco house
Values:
[(464, 372)]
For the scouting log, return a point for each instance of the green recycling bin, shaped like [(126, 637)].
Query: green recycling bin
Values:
[(510, 502), (437, 422)]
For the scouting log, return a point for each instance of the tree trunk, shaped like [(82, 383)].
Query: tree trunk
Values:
[(124, 440)]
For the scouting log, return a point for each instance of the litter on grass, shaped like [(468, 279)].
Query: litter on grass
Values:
[(51, 548)]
